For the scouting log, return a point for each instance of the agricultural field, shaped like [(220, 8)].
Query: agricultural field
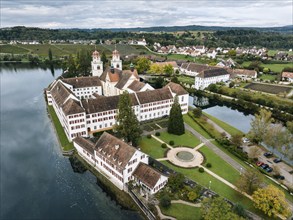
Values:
[(67, 49), (273, 89), (275, 67), (273, 52)]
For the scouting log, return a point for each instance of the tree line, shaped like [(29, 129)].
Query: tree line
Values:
[(220, 38)]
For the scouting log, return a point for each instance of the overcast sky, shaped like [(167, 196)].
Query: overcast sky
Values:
[(124, 13)]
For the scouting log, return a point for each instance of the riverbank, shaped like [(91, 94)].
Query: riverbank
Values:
[(121, 197), (66, 146)]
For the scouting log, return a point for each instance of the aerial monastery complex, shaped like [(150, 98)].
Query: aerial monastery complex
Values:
[(85, 105)]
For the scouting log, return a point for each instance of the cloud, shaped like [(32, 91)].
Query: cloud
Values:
[(124, 13)]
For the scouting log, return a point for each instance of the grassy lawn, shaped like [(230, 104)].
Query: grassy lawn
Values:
[(230, 129), (152, 147), (182, 212), (268, 77), (216, 185), (219, 166), (186, 79), (187, 139), (275, 67), (188, 120), (65, 144)]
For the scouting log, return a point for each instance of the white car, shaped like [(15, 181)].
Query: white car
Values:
[(245, 140)]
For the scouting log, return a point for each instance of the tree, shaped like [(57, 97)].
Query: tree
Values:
[(217, 208), (232, 53), (289, 125), (127, 123), (260, 125), (275, 136), (159, 81), (192, 196), (271, 201), (254, 152), (165, 201), (176, 181), (143, 64), (174, 79), (231, 84), (156, 69), (249, 181), (176, 123), (104, 58), (50, 55), (197, 112), (168, 70), (236, 140)]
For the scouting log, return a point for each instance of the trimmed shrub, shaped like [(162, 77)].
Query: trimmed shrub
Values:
[(201, 170), (164, 145), (165, 201), (157, 134), (149, 136), (171, 143), (209, 165)]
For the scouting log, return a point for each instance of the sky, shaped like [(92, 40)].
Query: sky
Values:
[(125, 13)]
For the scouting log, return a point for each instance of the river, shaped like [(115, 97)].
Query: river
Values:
[(37, 182)]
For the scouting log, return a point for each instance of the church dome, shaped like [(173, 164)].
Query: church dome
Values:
[(96, 53)]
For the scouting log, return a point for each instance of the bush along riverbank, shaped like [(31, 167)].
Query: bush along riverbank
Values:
[(121, 197)]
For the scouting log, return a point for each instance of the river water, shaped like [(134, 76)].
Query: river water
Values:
[(37, 182)]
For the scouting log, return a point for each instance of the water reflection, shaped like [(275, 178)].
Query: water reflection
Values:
[(37, 182)]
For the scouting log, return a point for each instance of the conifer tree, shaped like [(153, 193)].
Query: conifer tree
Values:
[(176, 123), (127, 123)]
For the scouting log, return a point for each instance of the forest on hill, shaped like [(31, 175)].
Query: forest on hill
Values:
[(218, 38)]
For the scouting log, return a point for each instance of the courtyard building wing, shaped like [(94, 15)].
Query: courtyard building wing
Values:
[(176, 88), (85, 144), (147, 175), (154, 95), (81, 82), (115, 150), (71, 107)]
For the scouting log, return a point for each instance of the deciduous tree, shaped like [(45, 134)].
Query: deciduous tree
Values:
[(254, 152), (236, 140), (271, 201), (176, 123), (259, 125), (197, 112), (127, 123), (249, 181), (143, 64), (218, 208)]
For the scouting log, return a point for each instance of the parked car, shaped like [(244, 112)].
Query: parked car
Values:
[(280, 177), (245, 140), (269, 169), (277, 160), (264, 166), (268, 154), (259, 163)]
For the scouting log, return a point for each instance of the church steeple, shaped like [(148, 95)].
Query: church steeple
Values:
[(116, 62), (97, 64)]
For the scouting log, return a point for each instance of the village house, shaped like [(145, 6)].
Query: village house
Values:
[(211, 76), (120, 163), (242, 74), (287, 76), (227, 63)]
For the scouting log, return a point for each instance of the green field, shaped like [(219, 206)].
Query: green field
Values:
[(182, 212), (186, 79), (230, 129), (276, 67), (188, 120), (187, 139), (65, 144), (268, 77), (219, 166), (67, 49), (273, 52), (152, 147)]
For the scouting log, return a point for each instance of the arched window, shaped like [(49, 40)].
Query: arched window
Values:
[(98, 67), (117, 66)]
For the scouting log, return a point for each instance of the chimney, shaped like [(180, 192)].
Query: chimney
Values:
[(116, 146)]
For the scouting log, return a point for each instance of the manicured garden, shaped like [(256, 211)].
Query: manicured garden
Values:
[(219, 166), (65, 144), (187, 139), (216, 185), (182, 212), (152, 147)]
